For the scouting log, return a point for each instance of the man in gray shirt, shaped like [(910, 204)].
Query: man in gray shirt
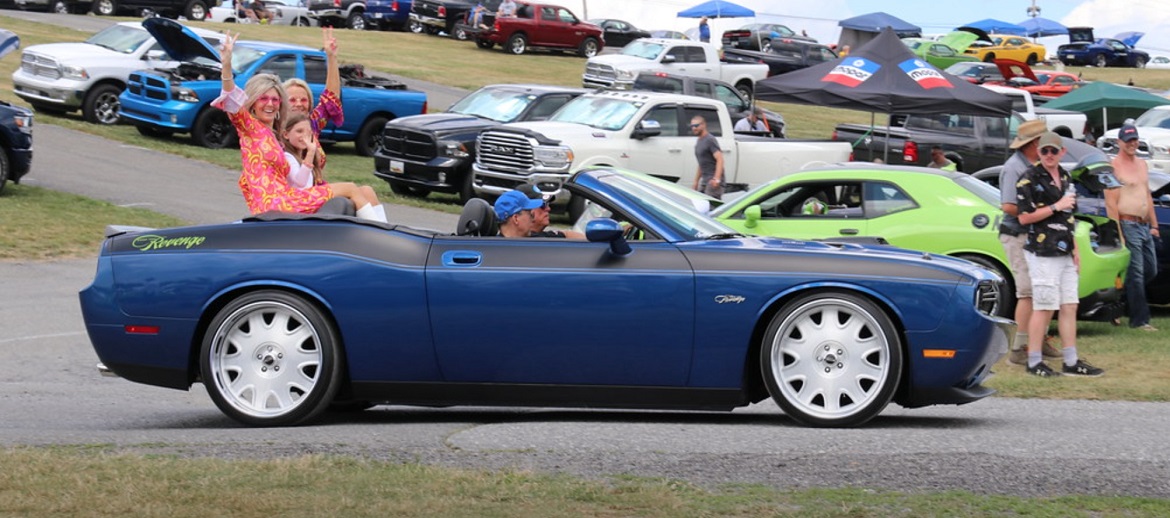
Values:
[(709, 176), (1013, 235)]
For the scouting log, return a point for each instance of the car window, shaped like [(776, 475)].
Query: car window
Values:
[(703, 89), (119, 38), (565, 16), (315, 69), (731, 98), (667, 118), (283, 66), (883, 198), (547, 106), (820, 200), (714, 126), (657, 83)]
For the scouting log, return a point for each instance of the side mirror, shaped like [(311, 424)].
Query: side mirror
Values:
[(668, 59), (647, 128), (157, 55), (602, 230), (751, 216)]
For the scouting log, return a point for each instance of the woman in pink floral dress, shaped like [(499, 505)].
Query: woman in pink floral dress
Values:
[(255, 111)]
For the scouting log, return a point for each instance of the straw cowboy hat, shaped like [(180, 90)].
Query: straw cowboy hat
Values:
[(1028, 132)]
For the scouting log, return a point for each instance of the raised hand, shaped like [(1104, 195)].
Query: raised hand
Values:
[(330, 43)]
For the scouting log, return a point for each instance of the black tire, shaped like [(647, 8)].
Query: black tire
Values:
[(1101, 61), (301, 21), (1032, 60), (213, 129), (403, 189), (105, 7), (101, 105), (151, 131), (5, 170), (589, 47), (459, 33), (369, 138), (831, 342), (765, 45), (484, 44), (989, 57), (517, 44), (252, 339), (196, 11), (745, 88), (466, 188), (356, 20), (60, 7), (1139, 62), (1005, 304), (415, 27)]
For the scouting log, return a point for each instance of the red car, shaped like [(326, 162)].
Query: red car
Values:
[(547, 26), (1045, 83)]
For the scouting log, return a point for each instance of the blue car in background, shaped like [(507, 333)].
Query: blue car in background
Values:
[(282, 315), (388, 14), (16, 145)]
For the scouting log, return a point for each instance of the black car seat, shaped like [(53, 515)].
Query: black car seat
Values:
[(338, 206), (477, 219)]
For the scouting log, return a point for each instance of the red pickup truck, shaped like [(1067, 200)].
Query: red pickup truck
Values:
[(546, 26)]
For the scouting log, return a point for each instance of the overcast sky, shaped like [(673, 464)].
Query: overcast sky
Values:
[(820, 17)]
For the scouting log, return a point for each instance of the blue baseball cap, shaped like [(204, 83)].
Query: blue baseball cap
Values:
[(512, 202), (1127, 133)]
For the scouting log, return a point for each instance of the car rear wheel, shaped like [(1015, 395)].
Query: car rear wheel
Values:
[(60, 7), (101, 105), (213, 129), (356, 21), (484, 44), (1100, 61), (369, 138), (270, 358), (104, 7), (831, 359), (416, 27), (517, 44), (588, 48), (196, 11), (1032, 60), (989, 58), (301, 21)]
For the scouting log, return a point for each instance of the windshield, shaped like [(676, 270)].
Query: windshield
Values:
[(1154, 119), (494, 104), (120, 38), (643, 49), (979, 188), (242, 58), (666, 207), (598, 112)]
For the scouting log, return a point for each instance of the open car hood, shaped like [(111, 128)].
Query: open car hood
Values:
[(980, 34), (1159, 184), (179, 41), (1010, 68), (959, 40), (1080, 34)]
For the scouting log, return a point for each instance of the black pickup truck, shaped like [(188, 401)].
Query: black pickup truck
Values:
[(783, 55), (448, 16), (339, 13), (16, 147), (738, 106), (434, 152), (971, 142)]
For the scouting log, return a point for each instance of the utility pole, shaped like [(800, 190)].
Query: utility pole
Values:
[(1033, 10)]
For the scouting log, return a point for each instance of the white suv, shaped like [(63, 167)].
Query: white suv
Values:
[(61, 77)]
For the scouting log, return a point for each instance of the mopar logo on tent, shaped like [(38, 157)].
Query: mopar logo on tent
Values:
[(852, 72), (924, 74)]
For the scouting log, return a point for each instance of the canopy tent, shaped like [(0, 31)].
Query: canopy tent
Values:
[(859, 30), (1040, 27), (1107, 105), (8, 42), (883, 76), (993, 26), (717, 9)]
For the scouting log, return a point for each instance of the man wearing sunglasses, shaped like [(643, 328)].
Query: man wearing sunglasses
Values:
[(514, 213), (540, 216), (709, 176), (1046, 199)]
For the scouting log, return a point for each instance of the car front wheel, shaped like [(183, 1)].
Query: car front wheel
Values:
[(356, 21), (588, 48), (213, 129), (369, 137), (831, 359), (60, 7), (104, 7), (1101, 62), (196, 11), (102, 105), (270, 358)]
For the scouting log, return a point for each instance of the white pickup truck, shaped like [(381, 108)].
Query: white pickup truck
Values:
[(1067, 123), (681, 57), (643, 131)]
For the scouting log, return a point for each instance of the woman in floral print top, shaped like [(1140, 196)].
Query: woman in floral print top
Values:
[(255, 111)]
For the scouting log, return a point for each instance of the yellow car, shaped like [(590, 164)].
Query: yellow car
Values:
[(1008, 47)]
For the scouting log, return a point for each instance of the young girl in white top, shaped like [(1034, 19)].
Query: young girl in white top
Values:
[(305, 171)]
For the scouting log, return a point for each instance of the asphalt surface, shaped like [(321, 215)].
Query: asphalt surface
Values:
[(50, 394)]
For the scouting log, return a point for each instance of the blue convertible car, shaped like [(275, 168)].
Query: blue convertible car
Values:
[(281, 316)]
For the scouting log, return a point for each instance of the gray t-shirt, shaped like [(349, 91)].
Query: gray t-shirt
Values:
[(705, 150), (1012, 170)]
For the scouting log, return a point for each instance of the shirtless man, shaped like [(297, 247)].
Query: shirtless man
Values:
[(1133, 208)]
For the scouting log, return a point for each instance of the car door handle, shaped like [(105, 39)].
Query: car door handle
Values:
[(849, 232), (462, 258), (674, 150)]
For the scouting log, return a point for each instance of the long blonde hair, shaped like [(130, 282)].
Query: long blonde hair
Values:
[(293, 120), (261, 83)]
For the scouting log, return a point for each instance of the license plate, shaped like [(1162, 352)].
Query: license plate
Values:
[(377, 15), (397, 167)]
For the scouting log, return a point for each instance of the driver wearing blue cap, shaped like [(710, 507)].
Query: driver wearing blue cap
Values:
[(514, 213)]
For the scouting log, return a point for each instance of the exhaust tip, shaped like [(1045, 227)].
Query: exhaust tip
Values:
[(106, 371)]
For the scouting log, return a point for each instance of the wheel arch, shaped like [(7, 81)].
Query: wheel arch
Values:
[(113, 81), (754, 386), (217, 302)]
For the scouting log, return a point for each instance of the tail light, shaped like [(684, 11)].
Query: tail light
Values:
[(442, 11), (336, 3), (910, 152), (394, 6), (424, 107), (834, 137)]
